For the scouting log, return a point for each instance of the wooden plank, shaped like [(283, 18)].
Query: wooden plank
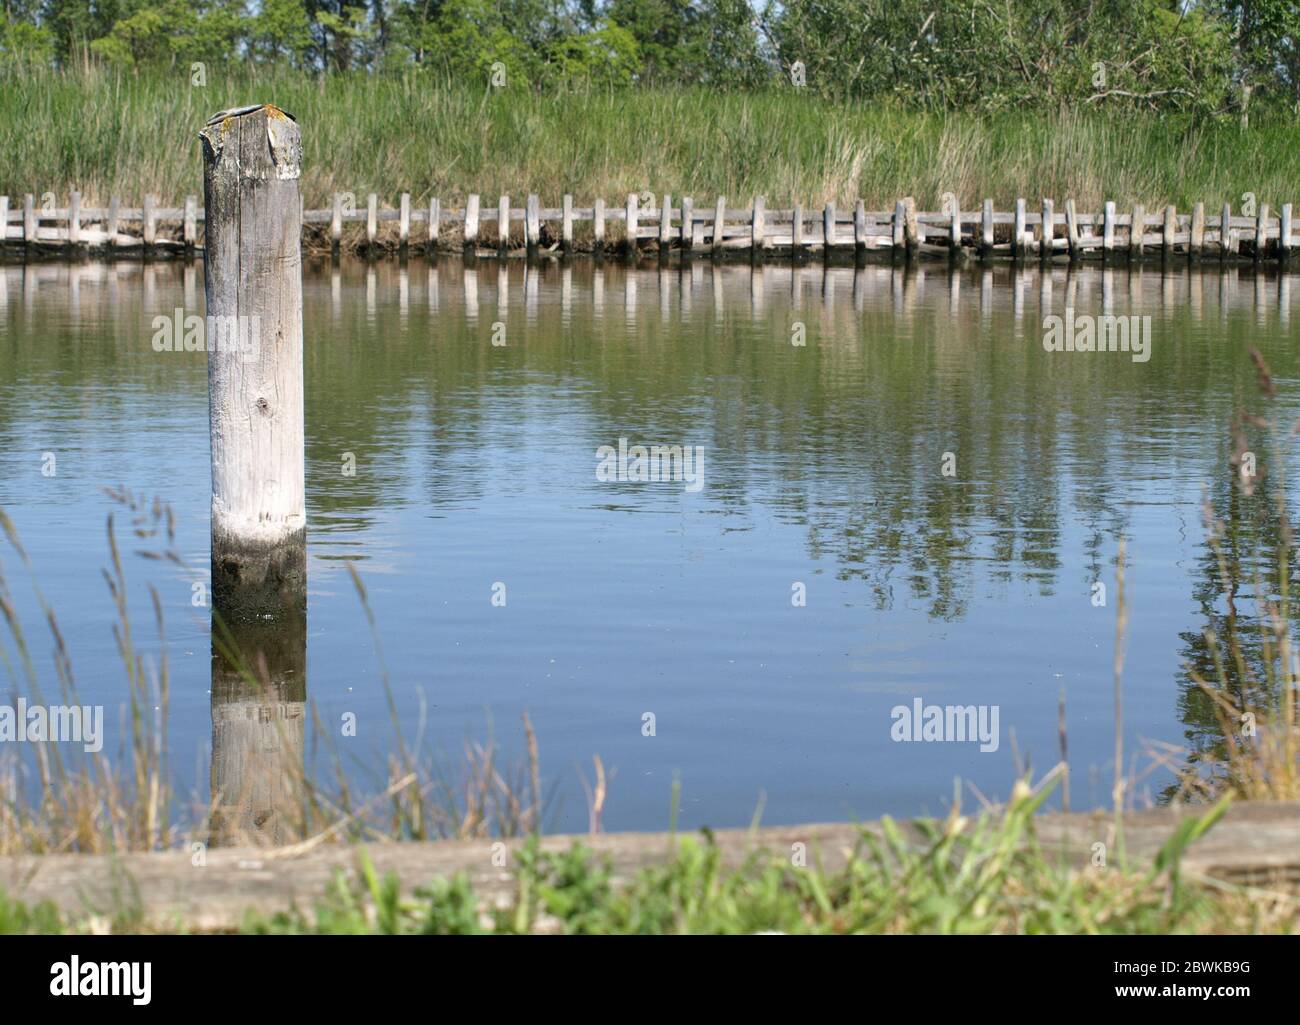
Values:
[(1254, 844)]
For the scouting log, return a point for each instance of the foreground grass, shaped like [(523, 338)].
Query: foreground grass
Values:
[(106, 133), (961, 876)]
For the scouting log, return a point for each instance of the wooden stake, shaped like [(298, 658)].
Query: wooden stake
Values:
[(796, 230), (630, 220), (912, 226), (687, 234), (114, 205), (1227, 237), (150, 220), (435, 221), (190, 227), (1196, 236), (1018, 229), (719, 224), (828, 227), (404, 222), (899, 226), (1261, 231), (1047, 230), (29, 218), (665, 223), (503, 223), (1170, 230), (336, 223), (757, 225), (253, 281), (1284, 231), (1137, 229), (1072, 229), (566, 223), (1108, 228), (599, 226), (372, 219), (859, 226), (471, 220), (986, 227)]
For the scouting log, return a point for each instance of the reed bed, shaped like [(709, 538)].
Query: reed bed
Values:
[(104, 133)]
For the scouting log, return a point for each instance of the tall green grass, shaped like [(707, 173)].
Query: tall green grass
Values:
[(110, 133)]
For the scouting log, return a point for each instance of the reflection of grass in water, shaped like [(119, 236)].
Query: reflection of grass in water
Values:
[(97, 807), (1254, 668)]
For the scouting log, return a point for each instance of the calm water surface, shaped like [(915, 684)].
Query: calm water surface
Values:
[(475, 465)]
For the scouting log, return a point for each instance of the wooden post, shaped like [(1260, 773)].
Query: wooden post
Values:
[(1227, 238), (190, 226), (1261, 231), (898, 227), (859, 226), (114, 205), (828, 228), (336, 223), (796, 230), (1108, 229), (74, 218), (532, 222), (1018, 229), (665, 223), (150, 221), (1284, 233), (503, 223), (471, 220), (631, 222), (719, 224), (912, 227), (986, 227), (598, 227), (372, 219), (252, 273), (29, 218), (1072, 229), (1196, 236), (435, 222), (404, 222), (1137, 229), (687, 236), (566, 224), (954, 227), (1170, 230), (4, 218), (1047, 230), (757, 226)]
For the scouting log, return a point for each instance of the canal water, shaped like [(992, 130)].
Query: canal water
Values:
[(898, 493)]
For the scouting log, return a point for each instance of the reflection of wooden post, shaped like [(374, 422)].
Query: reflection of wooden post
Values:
[(253, 277), (258, 728)]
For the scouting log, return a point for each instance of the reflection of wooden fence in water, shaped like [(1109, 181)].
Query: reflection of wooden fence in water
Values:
[(1023, 233)]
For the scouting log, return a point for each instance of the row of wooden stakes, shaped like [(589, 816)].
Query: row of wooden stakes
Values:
[(954, 232)]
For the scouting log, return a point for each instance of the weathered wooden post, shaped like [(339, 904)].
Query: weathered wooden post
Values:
[(74, 219), (986, 227), (190, 225), (435, 216), (336, 224), (503, 224), (404, 223), (687, 235), (598, 225), (859, 227), (828, 229), (630, 221), (1137, 231), (1108, 229), (252, 274), (1047, 230), (1284, 233), (114, 209), (149, 232), (372, 222), (719, 224), (1261, 231), (1196, 233), (29, 219), (566, 223), (471, 221)]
